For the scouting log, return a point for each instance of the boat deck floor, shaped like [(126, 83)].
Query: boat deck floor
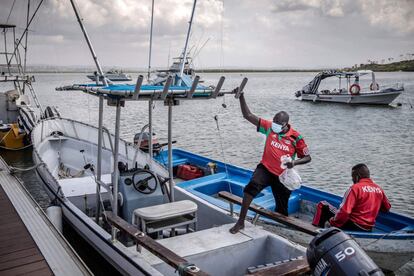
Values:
[(29, 244), (205, 240)]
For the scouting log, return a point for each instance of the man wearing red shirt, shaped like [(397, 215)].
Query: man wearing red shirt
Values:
[(361, 204), (281, 141)]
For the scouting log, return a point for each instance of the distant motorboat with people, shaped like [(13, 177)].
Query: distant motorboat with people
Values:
[(112, 75), (351, 89)]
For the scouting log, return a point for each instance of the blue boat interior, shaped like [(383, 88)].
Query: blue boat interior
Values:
[(232, 179)]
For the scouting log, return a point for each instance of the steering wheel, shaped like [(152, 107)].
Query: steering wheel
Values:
[(145, 181)]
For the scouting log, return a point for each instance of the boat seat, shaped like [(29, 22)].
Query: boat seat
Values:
[(166, 216)]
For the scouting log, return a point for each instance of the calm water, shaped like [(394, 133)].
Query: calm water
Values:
[(339, 136)]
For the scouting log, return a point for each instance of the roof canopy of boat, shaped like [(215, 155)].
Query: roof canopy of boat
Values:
[(343, 74)]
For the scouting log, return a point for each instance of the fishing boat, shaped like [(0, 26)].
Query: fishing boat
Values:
[(350, 89), (125, 203), (390, 244), (181, 70), (105, 184), (112, 75), (174, 70), (17, 114)]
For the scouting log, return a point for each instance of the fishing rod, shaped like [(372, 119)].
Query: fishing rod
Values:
[(186, 42), (150, 45)]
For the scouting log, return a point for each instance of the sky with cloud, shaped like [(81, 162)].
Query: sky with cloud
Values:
[(226, 33)]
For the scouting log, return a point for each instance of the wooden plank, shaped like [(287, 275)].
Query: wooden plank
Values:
[(295, 267), (289, 221), (18, 254), (17, 242), (27, 269), (148, 243), (18, 251), (20, 262)]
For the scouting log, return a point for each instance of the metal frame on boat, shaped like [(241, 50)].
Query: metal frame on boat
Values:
[(18, 105)]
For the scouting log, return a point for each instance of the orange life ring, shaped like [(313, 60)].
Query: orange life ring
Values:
[(374, 86), (355, 89)]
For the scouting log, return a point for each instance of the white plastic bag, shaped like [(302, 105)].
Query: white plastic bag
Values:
[(290, 177)]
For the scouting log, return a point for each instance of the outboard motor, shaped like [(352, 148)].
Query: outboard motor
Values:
[(333, 252), (142, 141)]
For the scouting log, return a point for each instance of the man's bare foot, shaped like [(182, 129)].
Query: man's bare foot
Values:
[(236, 228)]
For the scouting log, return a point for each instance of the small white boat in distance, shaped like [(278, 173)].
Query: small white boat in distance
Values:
[(112, 75), (349, 91)]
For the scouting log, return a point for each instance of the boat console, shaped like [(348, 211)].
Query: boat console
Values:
[(138, 188)]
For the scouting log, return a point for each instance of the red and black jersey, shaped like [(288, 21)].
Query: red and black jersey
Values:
[(277, 145), (361, 204)]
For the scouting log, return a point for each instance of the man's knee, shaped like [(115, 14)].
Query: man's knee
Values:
[(252, 189)]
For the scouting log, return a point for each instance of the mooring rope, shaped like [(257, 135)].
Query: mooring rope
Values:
[(22, 148), (17, 169)]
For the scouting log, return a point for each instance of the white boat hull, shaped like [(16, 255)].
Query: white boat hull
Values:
[(113, 77), (376, 98), (52, 149)]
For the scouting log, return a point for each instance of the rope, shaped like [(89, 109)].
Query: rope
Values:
[(7, 134), (385, 235), (17, 169), (22, 148)]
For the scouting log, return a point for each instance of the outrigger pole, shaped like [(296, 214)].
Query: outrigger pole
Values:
[(150, 102), (186, 42), (88, 41), (100, 119)]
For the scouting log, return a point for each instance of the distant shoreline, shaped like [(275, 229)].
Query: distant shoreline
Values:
[(404, 66), (197, 71)]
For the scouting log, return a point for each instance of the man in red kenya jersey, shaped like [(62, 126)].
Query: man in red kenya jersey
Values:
[(361, 203), (281, 141)]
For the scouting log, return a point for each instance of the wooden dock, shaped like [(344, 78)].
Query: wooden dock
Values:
[(29, 243)]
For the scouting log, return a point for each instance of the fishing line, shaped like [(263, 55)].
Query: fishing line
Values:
[(89, 122), (11, 9), (216, 118)]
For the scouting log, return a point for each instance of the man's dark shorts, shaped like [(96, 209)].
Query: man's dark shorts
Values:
[(261, 179)]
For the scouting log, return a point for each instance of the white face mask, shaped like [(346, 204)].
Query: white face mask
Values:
[(276, 127)]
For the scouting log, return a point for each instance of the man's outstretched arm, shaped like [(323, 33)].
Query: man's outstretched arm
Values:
[(246, 111), (301, 161)]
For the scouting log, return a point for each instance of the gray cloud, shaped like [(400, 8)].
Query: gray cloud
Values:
[(393, 15), (240, 33)]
